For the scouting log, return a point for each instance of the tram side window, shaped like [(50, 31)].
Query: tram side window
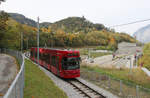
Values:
[(57, 59), (31, 53), (64, 63), (53, 61), (41, 56), (35, 53), (45, 57)]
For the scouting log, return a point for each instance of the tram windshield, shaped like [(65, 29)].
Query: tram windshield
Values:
[(71, 63)]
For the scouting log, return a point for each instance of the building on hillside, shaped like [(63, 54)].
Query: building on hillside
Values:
[(126, 44), (127, 48)]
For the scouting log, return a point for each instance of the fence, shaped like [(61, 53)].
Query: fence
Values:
[(16, 88), (118, 87)]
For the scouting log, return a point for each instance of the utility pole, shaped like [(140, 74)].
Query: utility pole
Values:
[(27, 43), (21, 42), (52, 38), (89, 53), (130, 64), (38, 27)]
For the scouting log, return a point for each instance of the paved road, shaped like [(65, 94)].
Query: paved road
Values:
[(124, 51), (8, 71)]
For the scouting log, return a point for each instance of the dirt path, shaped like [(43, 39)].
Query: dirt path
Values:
[(8, 71)]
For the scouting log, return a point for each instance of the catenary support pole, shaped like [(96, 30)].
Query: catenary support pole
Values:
[(21, 42), (27, 43), (38, 27)]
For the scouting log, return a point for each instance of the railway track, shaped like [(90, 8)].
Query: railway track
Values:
[(81, 88), (84, 90)]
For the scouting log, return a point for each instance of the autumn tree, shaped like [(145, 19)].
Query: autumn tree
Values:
[(3, 23)]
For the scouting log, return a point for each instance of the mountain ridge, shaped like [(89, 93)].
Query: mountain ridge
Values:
[(143, 34), (23, 19), (69, 24)]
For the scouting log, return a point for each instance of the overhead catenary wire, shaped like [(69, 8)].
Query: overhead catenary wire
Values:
[(130, 23)]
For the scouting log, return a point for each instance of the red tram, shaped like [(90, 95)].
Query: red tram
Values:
[(64, 63)]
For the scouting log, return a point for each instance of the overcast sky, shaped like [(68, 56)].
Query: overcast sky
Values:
[(107, 12)]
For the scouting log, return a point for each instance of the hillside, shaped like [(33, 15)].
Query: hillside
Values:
[(10, 37), (68, 25), (76, 24), (22, 19), (143, 34), (69, 32), (45, 24)]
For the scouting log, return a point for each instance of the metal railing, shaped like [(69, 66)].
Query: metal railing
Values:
[(118, 87), (16, 88)]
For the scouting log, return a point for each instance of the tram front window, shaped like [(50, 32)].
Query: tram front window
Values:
[(70, 63)]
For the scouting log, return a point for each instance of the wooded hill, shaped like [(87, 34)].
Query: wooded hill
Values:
[(22, 19), (69, 25), (69, 32), (75, 25)]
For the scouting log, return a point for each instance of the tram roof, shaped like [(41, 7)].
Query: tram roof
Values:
[(56, 49)]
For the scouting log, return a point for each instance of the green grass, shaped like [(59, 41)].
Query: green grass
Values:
[(38, 85), (99, 76), (83, 51), (92, 54), (138, 77), (112, 85), (145, 59), (105, 48)]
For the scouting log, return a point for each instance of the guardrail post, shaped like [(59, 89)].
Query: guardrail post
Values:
[(99, 78), (4, 50), (93, 76), (15, 91), (21, 76), (20, 88), (109, 82), (120, 87), (137, 91)]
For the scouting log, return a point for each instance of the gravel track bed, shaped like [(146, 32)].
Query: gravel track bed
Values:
[(66, 87), (105, 93), (69, 89)]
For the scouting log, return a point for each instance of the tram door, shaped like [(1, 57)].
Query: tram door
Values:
[(57, 64)]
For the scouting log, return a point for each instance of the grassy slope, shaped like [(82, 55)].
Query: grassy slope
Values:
[(92, 54), (146, 57), (38, 85), (137, 77)]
